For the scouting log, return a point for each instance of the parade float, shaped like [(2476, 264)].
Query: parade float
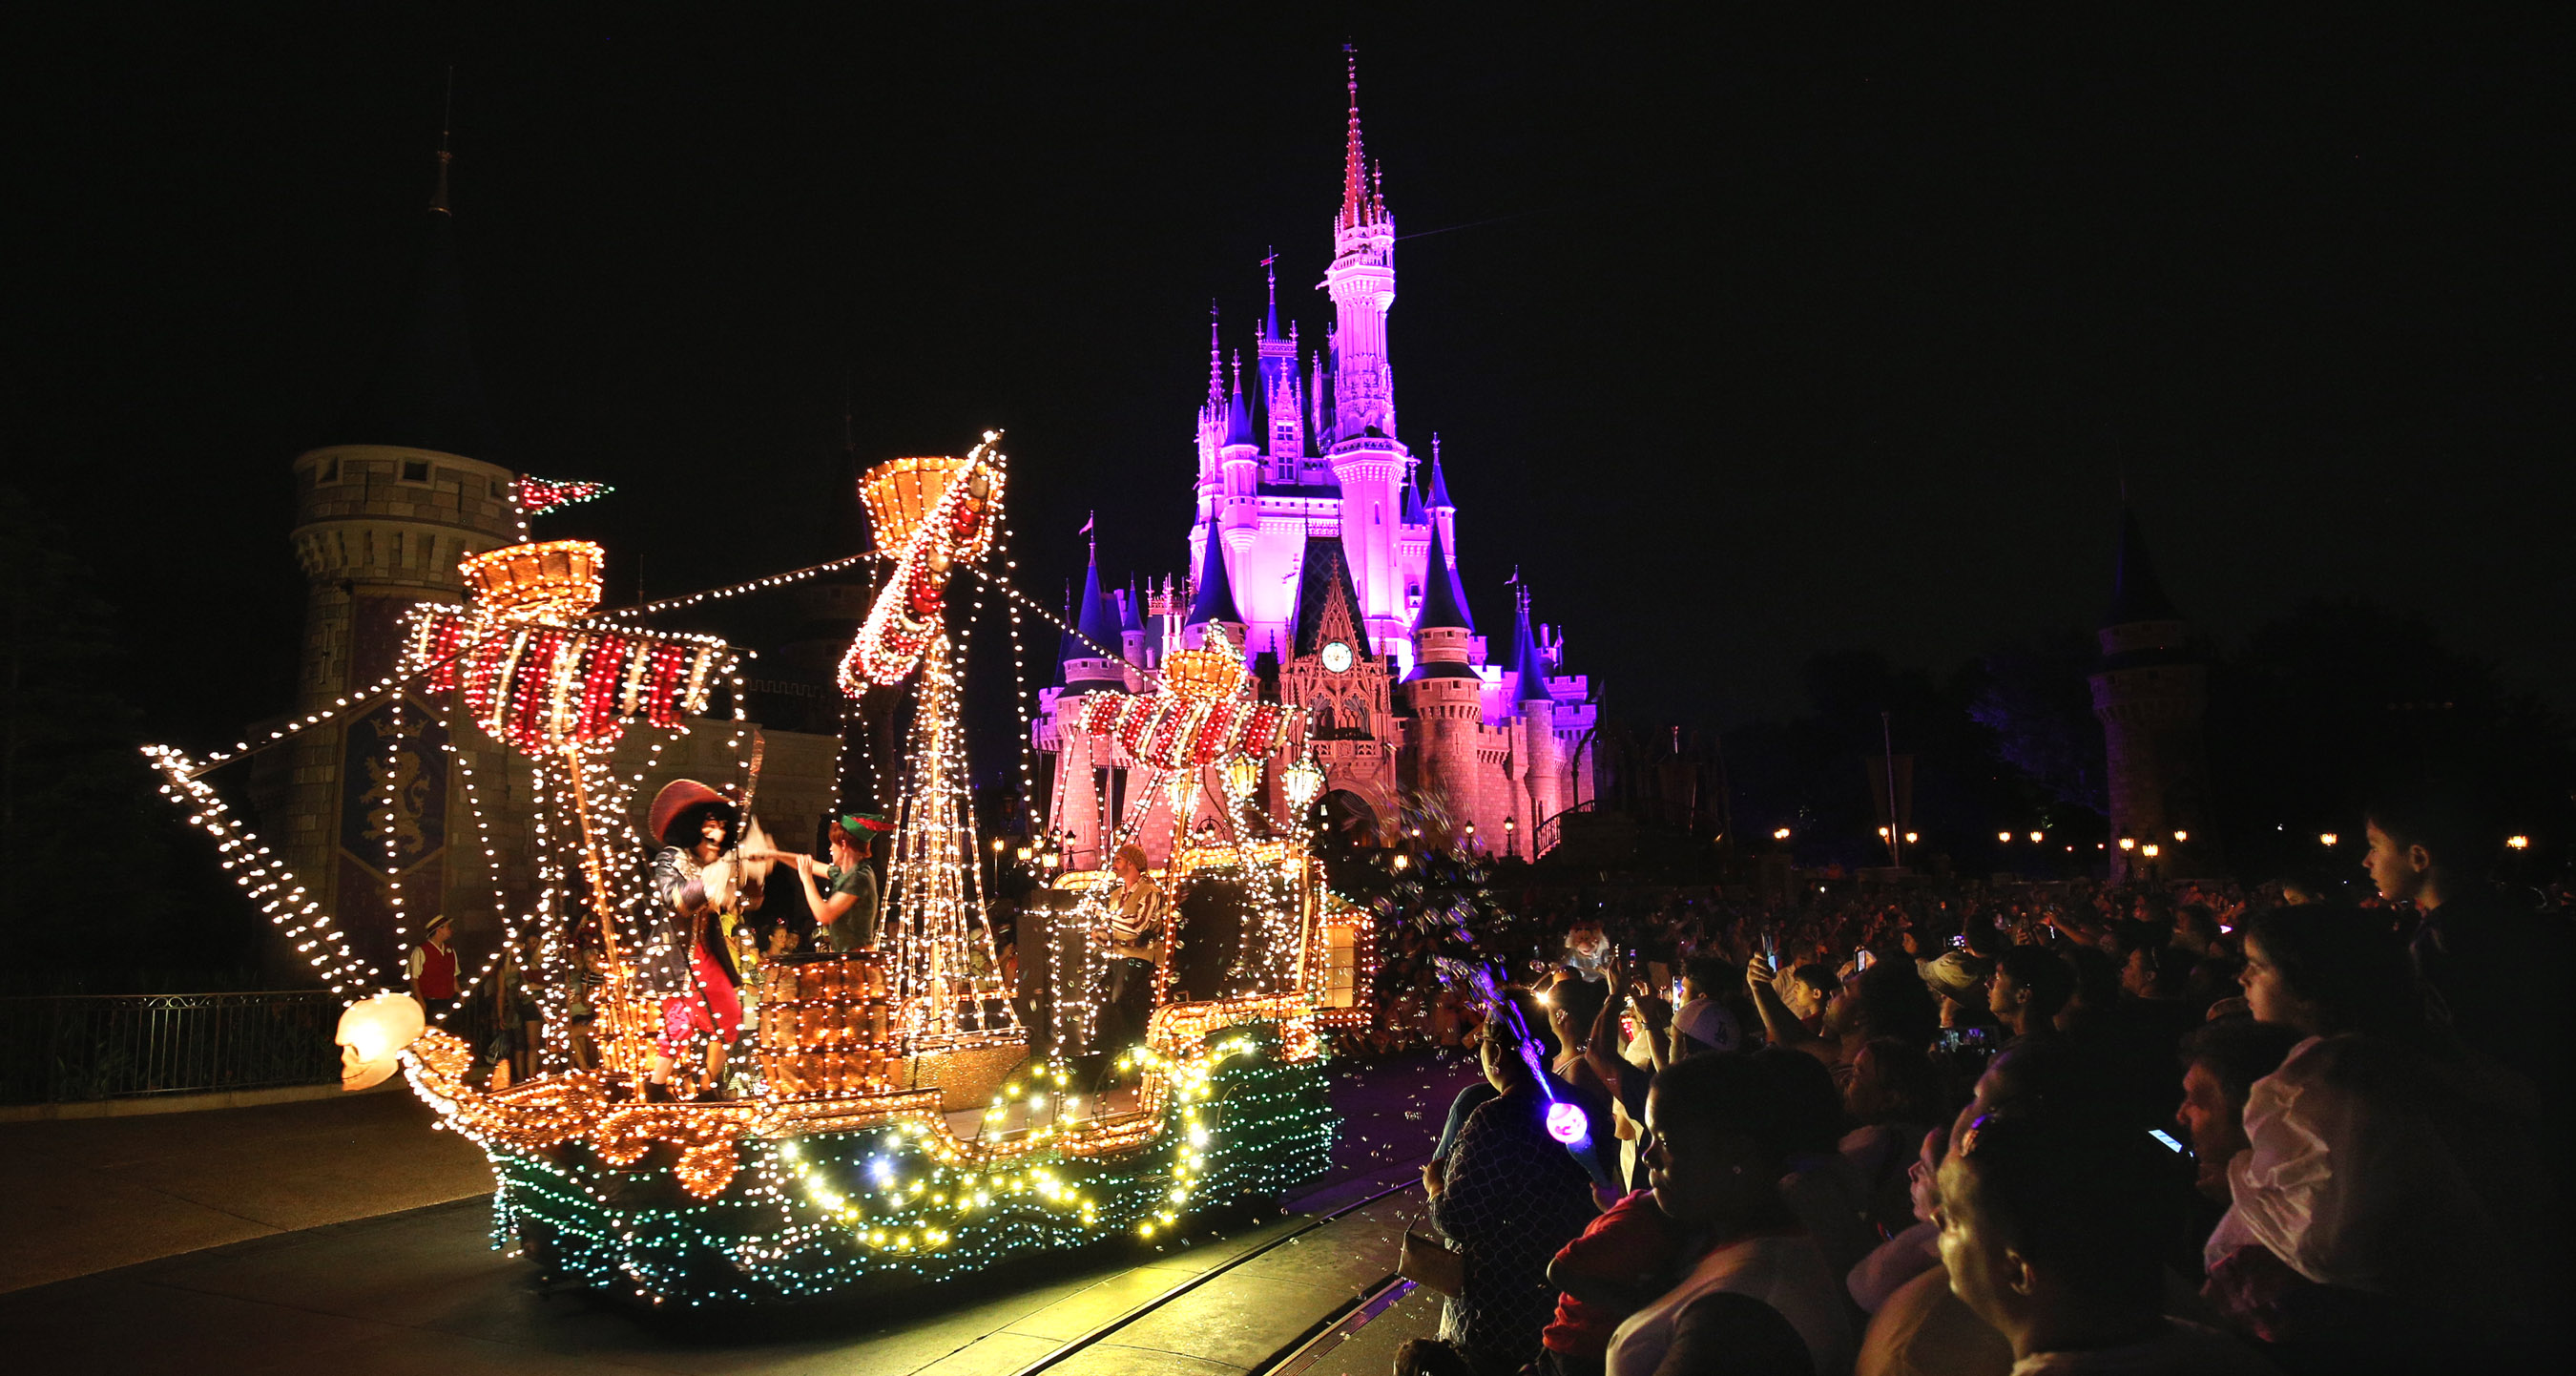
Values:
[(905, 1114)]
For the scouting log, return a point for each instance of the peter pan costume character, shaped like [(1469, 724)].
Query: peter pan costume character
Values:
[(844, 903), (685, 965)]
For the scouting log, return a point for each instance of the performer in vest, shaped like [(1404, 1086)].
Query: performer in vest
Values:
[(1134, 938), (844, 904), (432, 968), (684, 965)]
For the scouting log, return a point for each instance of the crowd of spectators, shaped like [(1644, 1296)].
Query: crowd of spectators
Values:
[(2128, 1128)]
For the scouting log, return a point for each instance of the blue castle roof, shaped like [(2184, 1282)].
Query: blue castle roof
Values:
[(1444, 602), (1099, 619), (2136, 593), (1215, 599), (1529, 667)]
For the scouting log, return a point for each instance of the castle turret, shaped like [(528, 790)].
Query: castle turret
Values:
[(1283, 430), (1078, 804), (1542, 761), (1131, 634), (406, 486), (1213, 603), (1442, 694), (1442, 511), (1091, 654), (2150, 693)]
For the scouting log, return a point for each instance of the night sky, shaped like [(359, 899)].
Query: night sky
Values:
[(1744, 341)]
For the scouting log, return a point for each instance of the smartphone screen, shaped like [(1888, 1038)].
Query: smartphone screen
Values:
[(2171, 1144)]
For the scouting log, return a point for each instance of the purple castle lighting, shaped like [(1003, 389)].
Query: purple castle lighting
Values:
[(1317, 553)]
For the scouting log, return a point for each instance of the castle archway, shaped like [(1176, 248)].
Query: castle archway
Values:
[(1351, 817)]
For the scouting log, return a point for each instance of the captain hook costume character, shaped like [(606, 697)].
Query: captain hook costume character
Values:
[(686, 965)]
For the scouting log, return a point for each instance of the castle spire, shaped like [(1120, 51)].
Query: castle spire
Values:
[(1216, 359), (446, 122), (1444, 602), (1238, 415), (1214, 601), (2137, 594), (1270, 267), (425, 391), (1529, 667), (1439, 485), (1358, 205), (1099, 623)]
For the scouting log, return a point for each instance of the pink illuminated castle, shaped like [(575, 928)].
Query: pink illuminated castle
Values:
[(1316, 552)]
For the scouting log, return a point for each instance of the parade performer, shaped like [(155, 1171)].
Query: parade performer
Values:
[(685, 964), (1134, 938), (845, 903)]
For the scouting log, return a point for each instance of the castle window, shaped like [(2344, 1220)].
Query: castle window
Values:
[(415, 470), (497, 490), (330, 472)]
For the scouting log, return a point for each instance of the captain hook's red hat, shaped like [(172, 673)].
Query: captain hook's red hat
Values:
[(680, 797)]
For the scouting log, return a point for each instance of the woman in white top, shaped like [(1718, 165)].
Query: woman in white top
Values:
[(1758, 1298), (2392, 1195)]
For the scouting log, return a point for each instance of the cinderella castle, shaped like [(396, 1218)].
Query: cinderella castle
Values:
[(1325, 555)]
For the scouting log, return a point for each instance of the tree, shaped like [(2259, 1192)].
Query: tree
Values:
[(2324, 706), (2035, 698), (101, 891)]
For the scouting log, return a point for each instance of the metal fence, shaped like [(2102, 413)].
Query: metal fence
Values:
[(113, 1046)]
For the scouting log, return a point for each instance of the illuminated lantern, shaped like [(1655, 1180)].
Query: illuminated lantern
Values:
[(372, 1036), (1182, 791), (930, 514), (1302, 781), (550, 582), (1242, 776)]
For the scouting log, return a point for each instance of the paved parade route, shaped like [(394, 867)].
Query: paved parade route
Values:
[(421, 1289)]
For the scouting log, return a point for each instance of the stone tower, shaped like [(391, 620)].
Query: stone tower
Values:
[(2151, 692), (1443, 695), (363, 808)]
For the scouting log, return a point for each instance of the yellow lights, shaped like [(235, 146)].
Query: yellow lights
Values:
[(1303, 783), (550, 582), (2517, 842), (999, 845), (901, 493), (1242, 776), (2327, 838), (1204, 675), (2182, 836), (2128, 843), (1882, 833), (2150, 850), (1780, 834), (1400, 859), (1910, 838), (2035, 837), (2004, 836)]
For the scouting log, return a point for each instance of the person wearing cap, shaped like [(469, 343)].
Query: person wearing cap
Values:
[(683, 963), (844, 903), (431, 968)]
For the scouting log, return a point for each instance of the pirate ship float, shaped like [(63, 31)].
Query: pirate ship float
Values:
[(909, 1117)]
